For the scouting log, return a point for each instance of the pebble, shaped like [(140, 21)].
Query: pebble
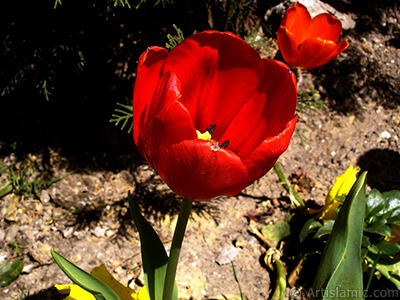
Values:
[(41, 253), (385, 135), (227, 254)]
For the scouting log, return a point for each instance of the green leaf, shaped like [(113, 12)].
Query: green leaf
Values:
[(387, 248), (275, 232), (340, 268), (375, 203), (389, 268), (85, 280), (9, 271), (5, 189), (309, 227), (325, 229), (379, 227), (154, 256), (392, 204)]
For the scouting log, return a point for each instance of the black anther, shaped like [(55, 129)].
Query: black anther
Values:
[(211, 128), (224, 144)]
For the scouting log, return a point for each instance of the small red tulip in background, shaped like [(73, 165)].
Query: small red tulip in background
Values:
[(211, 116), (307, 43)]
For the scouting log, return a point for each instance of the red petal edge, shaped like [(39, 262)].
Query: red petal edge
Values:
[(193, 170)]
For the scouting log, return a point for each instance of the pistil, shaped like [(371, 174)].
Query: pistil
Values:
[(206, 136)]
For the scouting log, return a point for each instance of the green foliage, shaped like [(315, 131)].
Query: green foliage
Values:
[(24, 294), (256, 38), (123, 115), (110, 3), (9, 271), (242, 296), (21, 182), (37, 64), (274, 233), (309, 102), (237, 13), (340, 266), (85, 280), (70, 211), (382, 212), (163, 2), (317, 228), (16, 248), (174, 40), (154, 256)]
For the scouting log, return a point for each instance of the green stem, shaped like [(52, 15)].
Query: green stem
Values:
[(372, 271), (280, 290), (294, 197), (176, 246)]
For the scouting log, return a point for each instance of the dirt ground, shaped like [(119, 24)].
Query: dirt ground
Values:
[(85, 215)]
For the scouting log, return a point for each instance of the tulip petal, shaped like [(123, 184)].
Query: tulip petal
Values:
[(264, 157), (288, 46), (168, 120), (148, 76), (326, 27), (315, 52), (266, 113), (219, 73), (297, 20), (194, 170)]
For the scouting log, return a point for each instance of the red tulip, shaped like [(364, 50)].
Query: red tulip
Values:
[(307, 43), (211, 116)]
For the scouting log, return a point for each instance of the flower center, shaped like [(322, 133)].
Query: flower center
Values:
[(206, 136)]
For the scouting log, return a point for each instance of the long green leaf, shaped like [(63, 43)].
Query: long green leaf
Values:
[(339, 274), (85, 280), (154, 256)]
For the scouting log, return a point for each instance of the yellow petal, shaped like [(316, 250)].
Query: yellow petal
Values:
[(342, 187), (143, 294), (125, 293), (75, 292)]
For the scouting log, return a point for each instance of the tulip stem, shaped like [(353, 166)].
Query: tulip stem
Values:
[(176, 246), (294, 197), (280, 289)]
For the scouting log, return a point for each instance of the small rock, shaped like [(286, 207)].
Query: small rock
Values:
[(41, 253), (226, 255), (28, 269), (99, 232), (67, 232), (44, 196), (385, 135), (11, 233)]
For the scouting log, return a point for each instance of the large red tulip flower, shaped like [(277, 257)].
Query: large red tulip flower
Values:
[(307, 43), (211, 116)]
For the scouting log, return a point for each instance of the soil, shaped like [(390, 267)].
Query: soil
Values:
[(85, 216)]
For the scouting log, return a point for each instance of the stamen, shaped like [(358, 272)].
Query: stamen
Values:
[(203, 136), (211, 128), (298, 47), (215, 146), (224, 144)]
